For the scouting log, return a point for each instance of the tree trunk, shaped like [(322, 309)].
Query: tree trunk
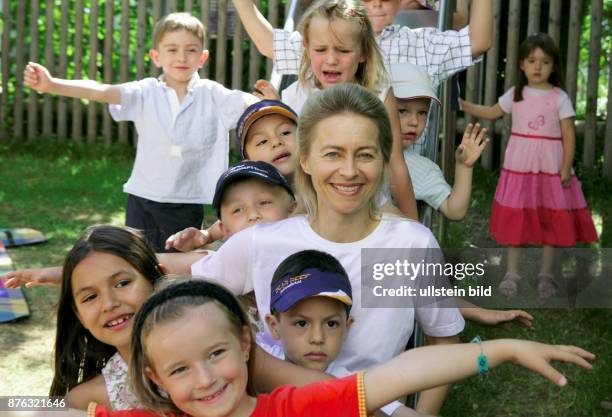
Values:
[(238, 60), (34, 48), (77, 106), (590, 132), (607, 165), (205, 18), (254, 59), (6, 46), (514, 25), (490, 97), (107, 122), (573, 49), (141, 40), (157, 15), (172, 6), (533, 23), (273, 19), (92, 107), (189, 6), (124, 64), (47, 127), (554, 19)]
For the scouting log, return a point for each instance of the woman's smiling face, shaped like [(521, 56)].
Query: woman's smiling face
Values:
[(345, 163)]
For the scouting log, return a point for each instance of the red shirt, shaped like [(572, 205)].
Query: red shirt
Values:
[(343, 397)]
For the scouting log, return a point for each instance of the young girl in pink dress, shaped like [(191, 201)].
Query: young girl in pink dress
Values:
[(538, 200)]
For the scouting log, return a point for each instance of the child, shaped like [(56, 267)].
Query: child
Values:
[(248, 193), (538, 200), (192, 353), (414, 93), (183, 125), (442, 53)]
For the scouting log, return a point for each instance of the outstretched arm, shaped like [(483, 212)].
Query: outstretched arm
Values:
[(257, 26), (38, 78), (483, 112), (432, 366), (481, 26), (401, 185), (33, 277)]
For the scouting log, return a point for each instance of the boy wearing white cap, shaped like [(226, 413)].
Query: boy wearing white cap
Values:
[(414, 92)]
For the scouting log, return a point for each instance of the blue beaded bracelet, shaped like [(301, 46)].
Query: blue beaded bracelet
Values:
[(483, 363)]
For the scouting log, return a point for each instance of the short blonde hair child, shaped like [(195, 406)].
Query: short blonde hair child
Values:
[(340, 99), (178, 21), (371, 73)]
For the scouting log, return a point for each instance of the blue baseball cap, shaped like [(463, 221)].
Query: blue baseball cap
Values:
[(255, 112), (254, 169), (312, 282)]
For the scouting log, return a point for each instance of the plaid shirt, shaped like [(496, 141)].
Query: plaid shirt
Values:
[(441, 53)]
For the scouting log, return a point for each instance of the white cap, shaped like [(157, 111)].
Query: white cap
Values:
[(411, 81)]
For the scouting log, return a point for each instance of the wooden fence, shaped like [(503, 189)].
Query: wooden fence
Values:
[(103, 53)]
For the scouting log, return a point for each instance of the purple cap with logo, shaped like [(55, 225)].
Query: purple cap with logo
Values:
[(312, 282)]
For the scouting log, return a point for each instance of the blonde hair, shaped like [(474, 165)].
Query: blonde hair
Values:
[(177, 21), (340, 99), (171, 303), (371, 73)]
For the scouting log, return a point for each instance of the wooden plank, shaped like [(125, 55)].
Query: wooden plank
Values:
[(19, 67), (573, 49), (92, 73), (273, 19), (77, 106), (205, 18), (237, 59), (107, 128), (6, 69), (254, 58), (32, 115), (124, 60), (471, 88), (590, 132), (533, 22), (157, 15), (221, 56), (188, 6), (47, 125), (514, 24), (62, 102), (490, 96), (554, 20), (172, 6), (141, 40), (607, 164)]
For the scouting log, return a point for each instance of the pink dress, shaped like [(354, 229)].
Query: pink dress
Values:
[(530, 206)]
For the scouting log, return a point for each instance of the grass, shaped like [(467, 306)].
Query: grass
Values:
[(61, 189)]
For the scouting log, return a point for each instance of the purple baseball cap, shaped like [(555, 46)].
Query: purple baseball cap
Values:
[(255, 112), (312, 282)]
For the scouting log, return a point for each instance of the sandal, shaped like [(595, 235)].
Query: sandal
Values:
[(508, 286), (546, 287)]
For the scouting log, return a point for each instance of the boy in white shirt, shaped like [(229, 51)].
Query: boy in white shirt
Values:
[(183, 125)]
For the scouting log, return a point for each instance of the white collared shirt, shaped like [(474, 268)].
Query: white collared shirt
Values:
[(441, 53), (182, 147)]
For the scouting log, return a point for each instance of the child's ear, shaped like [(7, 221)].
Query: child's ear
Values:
[(224, 231), (154, 54), (293, 207), (153, 377), (349, 321), (272, 323), (203, 58), (246, 341)]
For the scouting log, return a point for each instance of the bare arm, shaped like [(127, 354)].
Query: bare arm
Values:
[(257, 26), (432, 366), (481, 26), (483, 112), (401, 185), (472, 144), (179, 263), (431, 400), (33, 277), (93, 390), (492, 317), (271, 373), (38, 78), (569, 147)]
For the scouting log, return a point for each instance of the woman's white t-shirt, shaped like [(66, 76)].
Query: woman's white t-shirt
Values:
[(247, 262)]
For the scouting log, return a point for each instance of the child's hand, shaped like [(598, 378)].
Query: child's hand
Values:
[(265, 90), (33, 277), (472, 144), (495, 317), (188, 239), (536, 356), (37, 77), (566, 176)]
